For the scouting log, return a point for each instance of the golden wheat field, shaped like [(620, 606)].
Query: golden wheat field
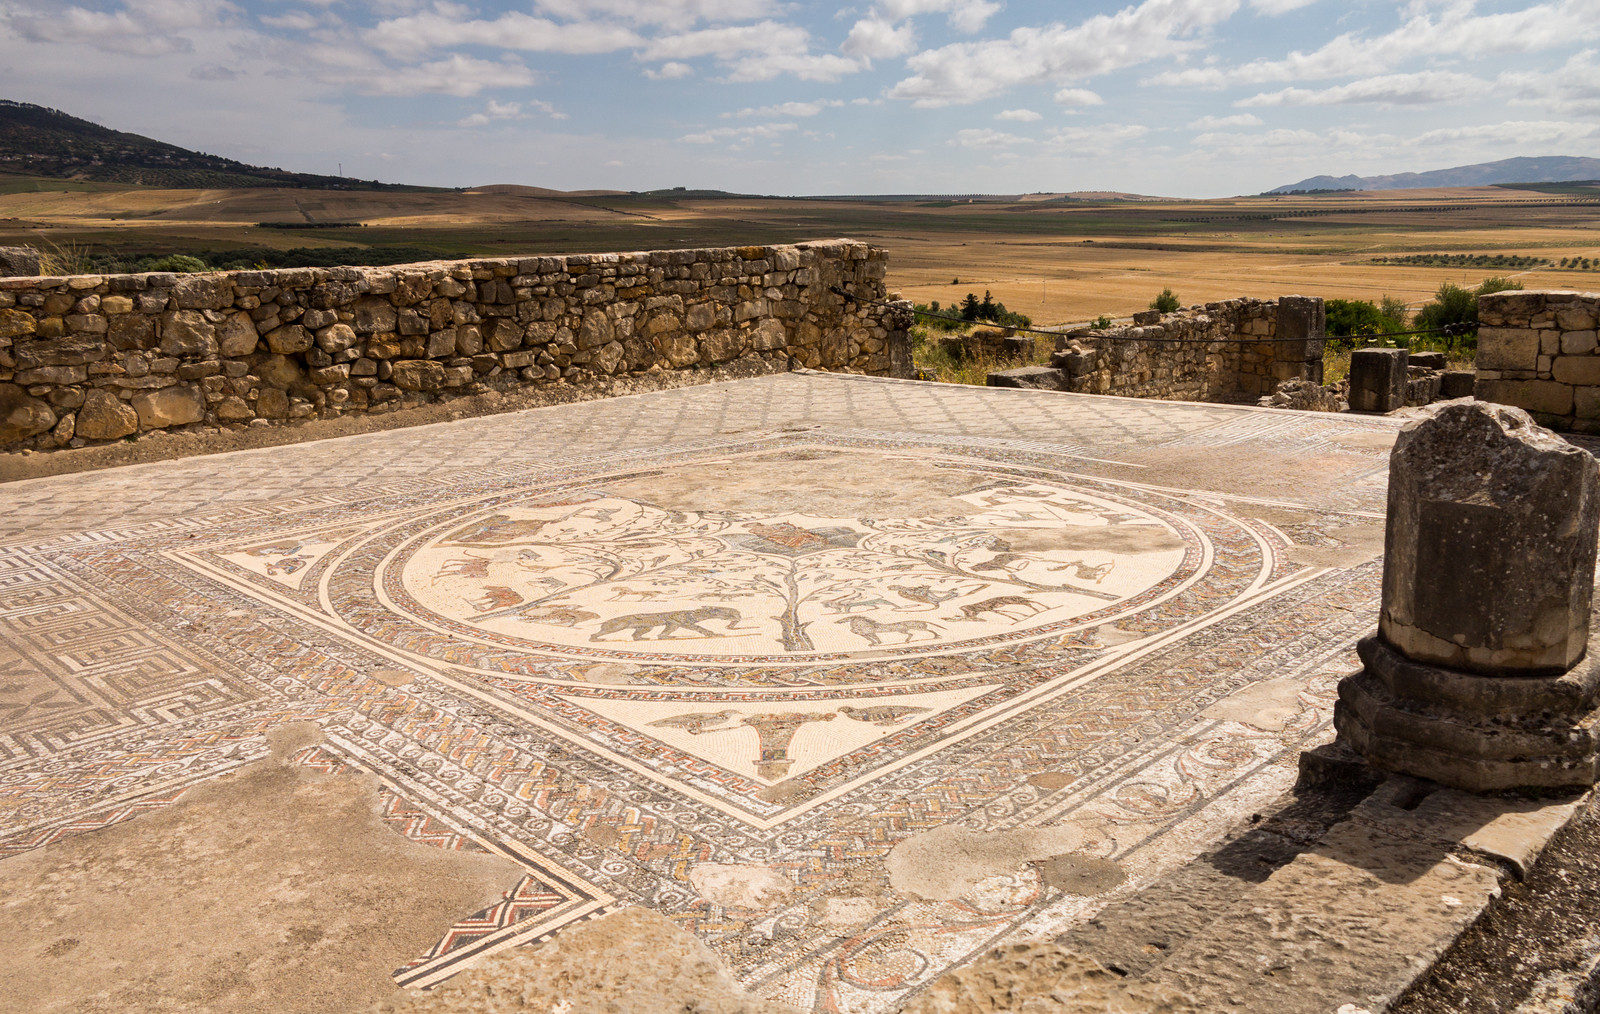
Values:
[(1057, 259)]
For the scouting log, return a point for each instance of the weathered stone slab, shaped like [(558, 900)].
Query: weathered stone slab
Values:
[(1457, 384), (1378, 380), (22, 415), (104, 416), (169, 406), (1490, 552), (18, 261), (1038, 378)]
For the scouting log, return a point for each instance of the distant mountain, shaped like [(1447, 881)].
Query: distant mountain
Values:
[(39, 141), (1551, 169)]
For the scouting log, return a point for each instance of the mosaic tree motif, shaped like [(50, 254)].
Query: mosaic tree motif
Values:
[(608, 570)]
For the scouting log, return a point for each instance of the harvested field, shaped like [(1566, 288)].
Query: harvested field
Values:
[(1058, 260)]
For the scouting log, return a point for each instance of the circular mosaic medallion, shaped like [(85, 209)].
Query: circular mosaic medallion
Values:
[(623, 571)]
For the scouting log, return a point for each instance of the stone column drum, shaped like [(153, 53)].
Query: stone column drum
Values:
[(1478, 676)]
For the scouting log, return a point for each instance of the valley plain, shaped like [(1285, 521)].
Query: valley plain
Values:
[(1059, 259)]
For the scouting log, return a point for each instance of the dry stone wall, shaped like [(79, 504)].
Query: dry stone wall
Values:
[(1538, 351), (94, 358), (1236, 350)]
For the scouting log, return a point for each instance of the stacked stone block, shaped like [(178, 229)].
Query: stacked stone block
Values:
[(92, 358), (1538, 352)]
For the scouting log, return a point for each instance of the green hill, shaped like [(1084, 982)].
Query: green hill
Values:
[(39, 141)]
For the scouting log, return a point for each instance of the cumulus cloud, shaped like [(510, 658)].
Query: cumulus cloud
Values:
[(1095, 140), (879, 39), (740, 134), (1572, 88), (1423, 88), (1456, 30), (497, 111), (1020, 115), (153, 29), (1279, 6), (967, 72), (458, 75), (213, 72), (801, 109), (1223, 122), (1077, 97), (964, 15), (672, 70), (673, 14), (445, 28), (983, 137)]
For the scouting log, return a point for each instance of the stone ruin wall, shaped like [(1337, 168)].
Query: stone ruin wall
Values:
[(91, 358), (1538, 351), (1225, 352)]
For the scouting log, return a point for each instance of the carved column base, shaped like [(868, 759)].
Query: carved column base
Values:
[(1469, 731)]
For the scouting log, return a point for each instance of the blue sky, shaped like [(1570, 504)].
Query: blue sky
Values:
[(1175, 97)]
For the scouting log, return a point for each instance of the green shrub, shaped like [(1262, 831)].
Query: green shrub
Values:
[(1166, 302), (1454, 305)]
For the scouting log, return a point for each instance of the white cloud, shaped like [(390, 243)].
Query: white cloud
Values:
[(213, 72), (801, 109), (461, 76), (294, 21), (672, 14), (971, 71), (1428, 87), (1223, 122), (1572, 88), (964, 15), (983, 137), (1456, 31), (1077, 97), (1095, 140), (497, 111), (150, 29), (669, 71), (445, 27), (879, 39), (759, 131), (1020, 115), (1519, 133), (1280, 6)]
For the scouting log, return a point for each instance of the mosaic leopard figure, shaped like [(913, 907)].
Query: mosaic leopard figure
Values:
[(681, 619)]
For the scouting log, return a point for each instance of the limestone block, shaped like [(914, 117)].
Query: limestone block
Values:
[(469, 340), (374, 315), (1576, 317), (188, 333), (768, 336), (1507, 348), (72, 351), (234, 409), (418, 375), (1378, 379), (203, 292), (1510, 306), (289, 339), (1428, 360), (336, 338), (237, 336), (1490, 546), (1578, 343), (1586, 402), (1038, 378), (1580, 371), (169, 406), (22, 415), (280, 372), (1546, 396), (595, 331), (18, 262), (441, 344), (272, 404), (701, 316), (501, 335), (1456, 384), (132, 331), (15, 323)]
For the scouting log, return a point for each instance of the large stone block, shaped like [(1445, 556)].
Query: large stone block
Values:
[(1545, 396), (1378, 379), (169, 406), (1490, 547), (188, 333), (1507, 348), (1038, 378), (104, 416), (21, 415), (1580, 371), (1456, 384), (1302, 327), (418, 375), (18, 261)]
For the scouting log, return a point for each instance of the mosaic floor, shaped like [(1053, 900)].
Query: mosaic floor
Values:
[(719, 651)]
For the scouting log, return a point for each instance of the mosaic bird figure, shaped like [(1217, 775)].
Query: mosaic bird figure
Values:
[(695, 722)]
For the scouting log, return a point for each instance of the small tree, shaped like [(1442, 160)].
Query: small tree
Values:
[(986, 309), (1166, 302), (1394, 313), (970, 307), (1454, 306)]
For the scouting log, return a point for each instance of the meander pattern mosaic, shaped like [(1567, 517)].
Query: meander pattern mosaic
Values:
[(651, 662)]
